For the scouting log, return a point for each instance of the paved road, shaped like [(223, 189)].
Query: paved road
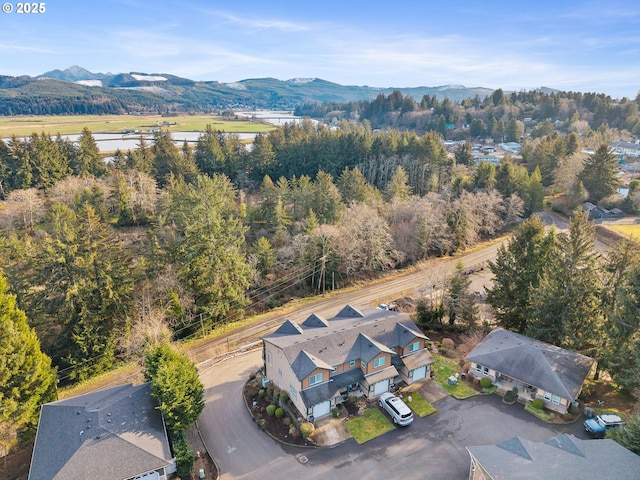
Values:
[(432, 447)]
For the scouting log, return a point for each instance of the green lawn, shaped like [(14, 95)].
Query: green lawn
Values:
[(541, 414), (70, 124), (419, 405), (443, 368), (371, 424)]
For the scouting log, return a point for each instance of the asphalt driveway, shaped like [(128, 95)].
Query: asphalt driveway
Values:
[(432, 447)]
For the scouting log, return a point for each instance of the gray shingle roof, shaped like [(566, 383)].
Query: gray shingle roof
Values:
[(418, 359), (536, 363), (289, 328), (305, 363), (366, 348), (349, 312), (315, 321), (562, 458), (334, 344), (318, 394), (110, 434)]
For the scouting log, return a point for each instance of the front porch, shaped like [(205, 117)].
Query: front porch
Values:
[(525, 392)]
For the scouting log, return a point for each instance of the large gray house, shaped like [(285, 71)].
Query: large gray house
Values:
[(116, 433), (535, 368), (320, 362), (562, 458)]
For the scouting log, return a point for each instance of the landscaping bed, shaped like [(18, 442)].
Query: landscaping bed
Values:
[(285, 429)]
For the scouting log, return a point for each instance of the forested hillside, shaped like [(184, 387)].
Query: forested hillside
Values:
[(110, 260), (501, 116)]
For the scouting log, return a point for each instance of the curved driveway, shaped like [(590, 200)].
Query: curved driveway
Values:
[(432, 447)]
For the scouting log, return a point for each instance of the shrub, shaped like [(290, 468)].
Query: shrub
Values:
[(271, 410), (261, 393), (510, 397), (262, 423), (567, 416), (538, 403), (294, 432), (515, 391), (279, 413), (252, 375), (185, 458), (286, 421), (307, 429), (574, 409), (284, 396), (335, 411), (485, 382)]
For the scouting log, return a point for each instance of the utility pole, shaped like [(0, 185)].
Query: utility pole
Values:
[(322, 273)]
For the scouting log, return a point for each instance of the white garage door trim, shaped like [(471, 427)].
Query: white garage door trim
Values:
[(321, 409), (381, 387), (419, 373)]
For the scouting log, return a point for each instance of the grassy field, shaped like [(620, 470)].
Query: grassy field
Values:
[(632, 231), (54, 124)]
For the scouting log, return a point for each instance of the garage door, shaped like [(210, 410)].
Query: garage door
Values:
[(381, 387), (148, 476), (321, 409), (419, 373)]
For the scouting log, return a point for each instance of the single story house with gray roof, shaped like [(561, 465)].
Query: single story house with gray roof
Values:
[(112, 434), (562, 458), (536, 368), (320, 362)]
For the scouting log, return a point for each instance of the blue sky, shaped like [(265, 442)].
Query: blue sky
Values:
[(569, 45)]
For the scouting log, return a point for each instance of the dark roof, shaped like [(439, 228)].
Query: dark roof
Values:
[(530, 361), (318, 394), (349, 312), (336, 343), (315, 321), (305, 363), (344, 379), (115, 433), (562, 458), (289, 328)]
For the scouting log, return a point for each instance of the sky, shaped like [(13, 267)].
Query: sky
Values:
[(587, 46)]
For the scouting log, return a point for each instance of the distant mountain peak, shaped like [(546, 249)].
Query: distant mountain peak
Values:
[(73, 74)]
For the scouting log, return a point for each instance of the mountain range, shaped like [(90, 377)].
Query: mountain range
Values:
[(77, 90)]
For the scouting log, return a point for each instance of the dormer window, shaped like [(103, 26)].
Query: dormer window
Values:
[(414, 347)]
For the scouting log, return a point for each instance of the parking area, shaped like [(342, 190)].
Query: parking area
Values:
[(431, 447)]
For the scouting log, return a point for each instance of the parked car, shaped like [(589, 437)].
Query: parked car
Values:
[(599, 425), (400, 413)]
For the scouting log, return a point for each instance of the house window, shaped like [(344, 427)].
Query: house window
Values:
[(414, 347), (379, 362), (352, 363), (556, 400), (335, 368), (317, 378), (292, 392), (269, 358), (478, 368), (547, 396), (486, 370)]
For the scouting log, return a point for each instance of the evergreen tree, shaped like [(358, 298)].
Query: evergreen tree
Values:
[(398, 188), (600, 174), (621, 353), (459, 301), (26, 377), (535, 193), (516, 271), (177, 387), (86, 159), (327, 201), (628, 435), (82, 290), (208, 244), (464, 155), (209, 156), (565, 308), (168, 162)]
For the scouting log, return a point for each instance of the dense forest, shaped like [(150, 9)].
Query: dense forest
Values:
[(501, 116), (108, 260)]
